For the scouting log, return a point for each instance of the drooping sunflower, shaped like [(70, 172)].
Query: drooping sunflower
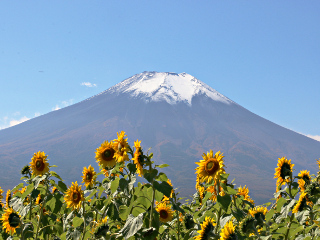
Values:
[(283, 170), (228, 232), (259, 213), (74, 196), (89, 176), (302, 203), (206, 230), (211, 167), (244, 191), (165, 212), (105, 155), (8, 198), (122, 147), (138, 158), (39, 164), (10, 220), (305, 179), (54, 190)]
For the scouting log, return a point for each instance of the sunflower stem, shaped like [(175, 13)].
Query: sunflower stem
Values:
[(289, 225), (84, 220), (42, 207), (153, 197)]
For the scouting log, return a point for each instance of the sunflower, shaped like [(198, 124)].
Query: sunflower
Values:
[(105, 155), (10, 220), (89, 176), (305, 179), (206, 230), (122, 147), (211, 167), (244, 191), (8, 198), (74, 196), (248, 225), (165, 212), (302, 203), (283, 170), (39, 165), (228, 232), (259, 213), (39, 200), (213, 190), (54, 190), (1, 191), (201, 192), (138, 158)]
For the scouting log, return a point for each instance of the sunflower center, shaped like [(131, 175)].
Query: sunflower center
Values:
[(88, 177), (76, 197), (306, 179), (14, 220), (285, 170), (108, 154), (212, 166), (164, 214), (39, 165)]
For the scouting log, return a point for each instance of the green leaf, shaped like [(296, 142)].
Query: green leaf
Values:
[(224, 176), (77, 221), (20, 185), (230, 190), (123, 184), (162, 165), (132, 167), (51, 202), (158, 195), (150, 176), (27, 191), (62, 187), (280, 203), (269, 215), (132, 226), (162, 177), (54, 174), (123, 212), (163, 187), (113, 211), (114, 185), (224, 201), (91, 194)]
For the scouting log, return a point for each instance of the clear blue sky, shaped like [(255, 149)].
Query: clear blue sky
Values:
[(264, 55)]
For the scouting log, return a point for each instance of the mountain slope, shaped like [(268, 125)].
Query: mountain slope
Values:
[(179, 126)]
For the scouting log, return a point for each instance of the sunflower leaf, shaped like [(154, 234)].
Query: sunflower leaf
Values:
[(77, 221), (62, 186), (163, 187), (162, 165), (132, 226), (150, 175), (224, 201), (27, 191), (114, 185), (54, 174)]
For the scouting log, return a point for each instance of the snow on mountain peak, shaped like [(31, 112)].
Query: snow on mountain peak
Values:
[(171, 87)]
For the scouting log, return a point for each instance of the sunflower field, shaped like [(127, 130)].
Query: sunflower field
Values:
[(119, 207)]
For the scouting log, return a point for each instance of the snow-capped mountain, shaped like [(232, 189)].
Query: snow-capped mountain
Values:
[(171, 87), (176, 115)]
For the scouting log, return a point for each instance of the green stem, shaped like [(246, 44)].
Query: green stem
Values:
[(153, 197), (42, 207), (289, 225), (84, 221)]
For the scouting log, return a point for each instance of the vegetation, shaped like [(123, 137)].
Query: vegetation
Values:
[(43, 207)]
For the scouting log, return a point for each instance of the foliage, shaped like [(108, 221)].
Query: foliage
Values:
[(118, 207)]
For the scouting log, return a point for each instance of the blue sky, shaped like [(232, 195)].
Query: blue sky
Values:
[(264, 55)]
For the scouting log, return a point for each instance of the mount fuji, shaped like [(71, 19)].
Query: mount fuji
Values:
[(178, 116)]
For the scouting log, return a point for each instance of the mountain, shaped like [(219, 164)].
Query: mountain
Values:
[(178, 116)]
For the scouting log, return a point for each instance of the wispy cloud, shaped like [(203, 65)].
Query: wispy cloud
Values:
[(6, 121), (17, 121), (62, 104), (315, 137), (88, 84)]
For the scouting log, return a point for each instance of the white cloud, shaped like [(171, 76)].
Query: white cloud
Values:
[(63, 104), (88, 84), (315, 137), (15, 121)]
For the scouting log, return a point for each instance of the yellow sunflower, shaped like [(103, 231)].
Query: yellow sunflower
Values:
[(259, 213), (10, 220), (283, 170), (1, 191), (305, 179), (213, 191), (211, 167), (74, 196), (206, 230), (122, 147), (39, 164), (244, 191), (105, 155), (201, 192), (138, 158), (23, 190), (39, 200), (165, 212), (89, 176), (54, 190), (228, 232), (302, 203), (8, 198)]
